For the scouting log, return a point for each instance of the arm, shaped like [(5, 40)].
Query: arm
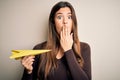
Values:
[(76, 71), (33, 75)]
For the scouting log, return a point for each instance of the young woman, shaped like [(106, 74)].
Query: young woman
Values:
[(69, 59)]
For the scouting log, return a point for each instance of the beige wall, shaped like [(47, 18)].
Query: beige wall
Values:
[(23, 24)]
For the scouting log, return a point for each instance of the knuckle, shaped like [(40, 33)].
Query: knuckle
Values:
[(23, 63)]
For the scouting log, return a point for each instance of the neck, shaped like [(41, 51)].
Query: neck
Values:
[(60, 54)]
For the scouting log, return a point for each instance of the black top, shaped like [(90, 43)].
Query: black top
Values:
[(68, 66)]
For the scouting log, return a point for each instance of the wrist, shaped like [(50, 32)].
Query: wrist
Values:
[(67, 49), (29, 71)]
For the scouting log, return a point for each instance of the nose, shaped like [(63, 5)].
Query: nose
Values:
[(65, 21)]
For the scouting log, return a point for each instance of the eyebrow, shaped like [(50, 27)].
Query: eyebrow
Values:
[(62, 13)]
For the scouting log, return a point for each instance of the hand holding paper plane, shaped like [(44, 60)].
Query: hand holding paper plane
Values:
[(17, 54)]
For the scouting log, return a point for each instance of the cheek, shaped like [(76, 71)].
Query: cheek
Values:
[(58, 26), (70, 26)]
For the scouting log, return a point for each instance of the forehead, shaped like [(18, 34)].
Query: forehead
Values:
[(65, 10)]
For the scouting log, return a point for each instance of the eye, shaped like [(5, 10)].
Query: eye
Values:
[(69, 17), (59, 17)]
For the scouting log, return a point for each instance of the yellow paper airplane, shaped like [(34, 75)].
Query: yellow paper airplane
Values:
[(17, 54)]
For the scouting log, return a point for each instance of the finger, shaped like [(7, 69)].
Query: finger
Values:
[(28, 64), (23, 61), (65, 30), (29, 59), (24, 58), (61, 33), (71, 35), (68, 32)]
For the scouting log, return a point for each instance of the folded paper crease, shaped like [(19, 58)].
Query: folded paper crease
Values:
[(18, 54)]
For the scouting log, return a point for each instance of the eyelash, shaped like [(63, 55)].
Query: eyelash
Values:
[(69, 17), (59, 17)]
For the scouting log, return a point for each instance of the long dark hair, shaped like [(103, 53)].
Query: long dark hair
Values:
[(48, 60)]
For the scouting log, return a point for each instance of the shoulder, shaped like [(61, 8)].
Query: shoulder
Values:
[(40, 45), (84, 45), (85, 48), (37, 47)]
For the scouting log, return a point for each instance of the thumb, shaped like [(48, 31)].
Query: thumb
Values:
[(71, 35)]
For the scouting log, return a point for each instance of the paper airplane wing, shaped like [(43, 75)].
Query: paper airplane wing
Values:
[(17, 54)]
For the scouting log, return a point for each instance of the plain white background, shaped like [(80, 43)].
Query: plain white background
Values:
[(23, 24)]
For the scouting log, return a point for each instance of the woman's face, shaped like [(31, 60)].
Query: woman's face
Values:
[(63, 19)]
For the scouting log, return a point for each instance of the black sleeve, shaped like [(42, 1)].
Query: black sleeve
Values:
[(76, 71), (33, 75)]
